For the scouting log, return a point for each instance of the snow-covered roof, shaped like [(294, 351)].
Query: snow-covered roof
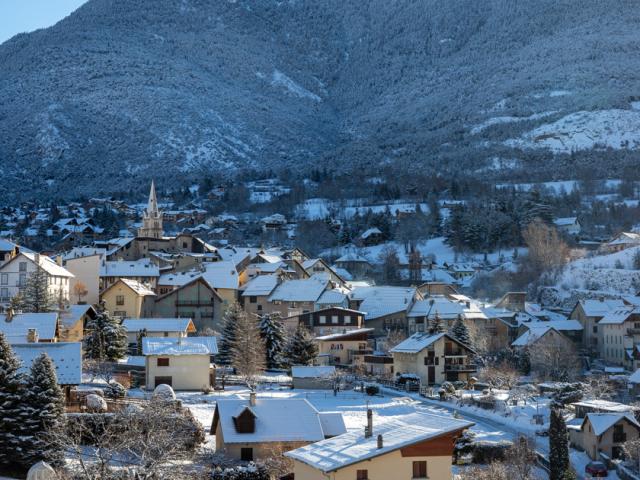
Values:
[(635, 377), (332, 297), (560, 325), (604, 405), (601, 422), (6, 245), (371, 231), (446, 308), (276, 420), (178, 279), (179, 346), (66, 356), (221, 275), (305, 290), (625, 238), (346, 334), (303, 371), (332, 424), (619, 315), (599, 308), (73, 313), (138, 287), (530, 336), (565, 221), (380, 301), (159, 324), (352, 257), (122, 268), (260, 286), (417, 342), (17, 329), (344, 274), (397, 432), (47, 264)]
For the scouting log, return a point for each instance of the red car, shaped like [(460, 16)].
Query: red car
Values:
[(596, 470)]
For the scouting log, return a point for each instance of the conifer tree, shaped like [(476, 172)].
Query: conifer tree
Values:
[(44, 403), (301, 349), (248, 355), (437, 326), (272, 331), (228, 339), (558, 446), (12, 411), (461, 332), (107, 339), (37, 297)]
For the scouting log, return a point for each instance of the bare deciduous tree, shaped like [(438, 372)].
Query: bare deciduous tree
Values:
[(554, 360), (547, 251), (248, 354), (80, 291), (500, 375)]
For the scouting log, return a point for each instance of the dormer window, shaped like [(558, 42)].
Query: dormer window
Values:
[(245, 422)]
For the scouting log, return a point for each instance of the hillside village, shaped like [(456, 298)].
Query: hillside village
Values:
[(359, 363)]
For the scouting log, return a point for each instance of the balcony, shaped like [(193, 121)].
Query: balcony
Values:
[(633, 331), (460, 368), (193, 303)]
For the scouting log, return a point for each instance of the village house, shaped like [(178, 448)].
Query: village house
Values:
[(293, 297), (571, 329), (313, 377), (128, 298), (446, 309), (142, 271), (66, 358), (84, 263), (15, 272), (589, 313), (196, 300), (183, 363), (73, 321), (620, 242), (326, 321), (317, 266), (385, 307), (254, 296), (156, 327), (8, 250), (568, 225), (414, 446), (343, 348), (376, 364), (603, 433), (30, 327), (434, 358), (371, 236), (260, 428), (356, 265), (619, 336)]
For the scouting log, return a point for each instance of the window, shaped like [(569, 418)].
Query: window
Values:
[(334, 318), (253, 299), (259, 307), (323, 319), (163, 362), (4, 279), (166, 334), (4, 293), (246, 454), (347, 319), (362, 475), (22, 266), (119, 299), (420, 469), (22, 281), (595, 329), (120, 313)]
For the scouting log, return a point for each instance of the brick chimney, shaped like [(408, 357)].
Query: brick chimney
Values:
[(368, 430), (32, 335)]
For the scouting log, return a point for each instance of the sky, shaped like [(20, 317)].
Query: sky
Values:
[(17, 16)]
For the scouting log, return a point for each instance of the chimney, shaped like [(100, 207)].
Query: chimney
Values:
[(380, 443), (368, 430), (9, 315), (36, 258), (601, 298), (252, 399), (468, 304), (32, 335)]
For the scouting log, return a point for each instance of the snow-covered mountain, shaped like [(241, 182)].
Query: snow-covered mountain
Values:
[(173, 88)]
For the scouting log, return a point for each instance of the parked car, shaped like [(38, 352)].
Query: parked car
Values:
[(596, 470)]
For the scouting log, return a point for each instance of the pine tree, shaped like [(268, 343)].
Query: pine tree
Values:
[(248, 354), (44, 403), (37, 296), (437, 326), (16, 303), (12, 412), (460, 331), (301, 349), (272, 331), (558, 446), (107, 339), (228, 333)]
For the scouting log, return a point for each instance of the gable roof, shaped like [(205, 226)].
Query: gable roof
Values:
[(381, 301), (70, 316), (159, 325), (599, 308), (179, 346), (260, 286), (273, 420), (619, 315), (559, 325), (66, 356), (601, 422), (306, 290), (398, 432), (46, 325), (531, 336), (418, 342), (46, 263), (221, 274), (137, 287), (177, 291)]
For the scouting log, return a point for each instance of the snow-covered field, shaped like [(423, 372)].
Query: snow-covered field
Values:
[(611, 274)]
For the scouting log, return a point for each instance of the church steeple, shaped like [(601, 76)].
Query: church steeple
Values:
[(152, 218)]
